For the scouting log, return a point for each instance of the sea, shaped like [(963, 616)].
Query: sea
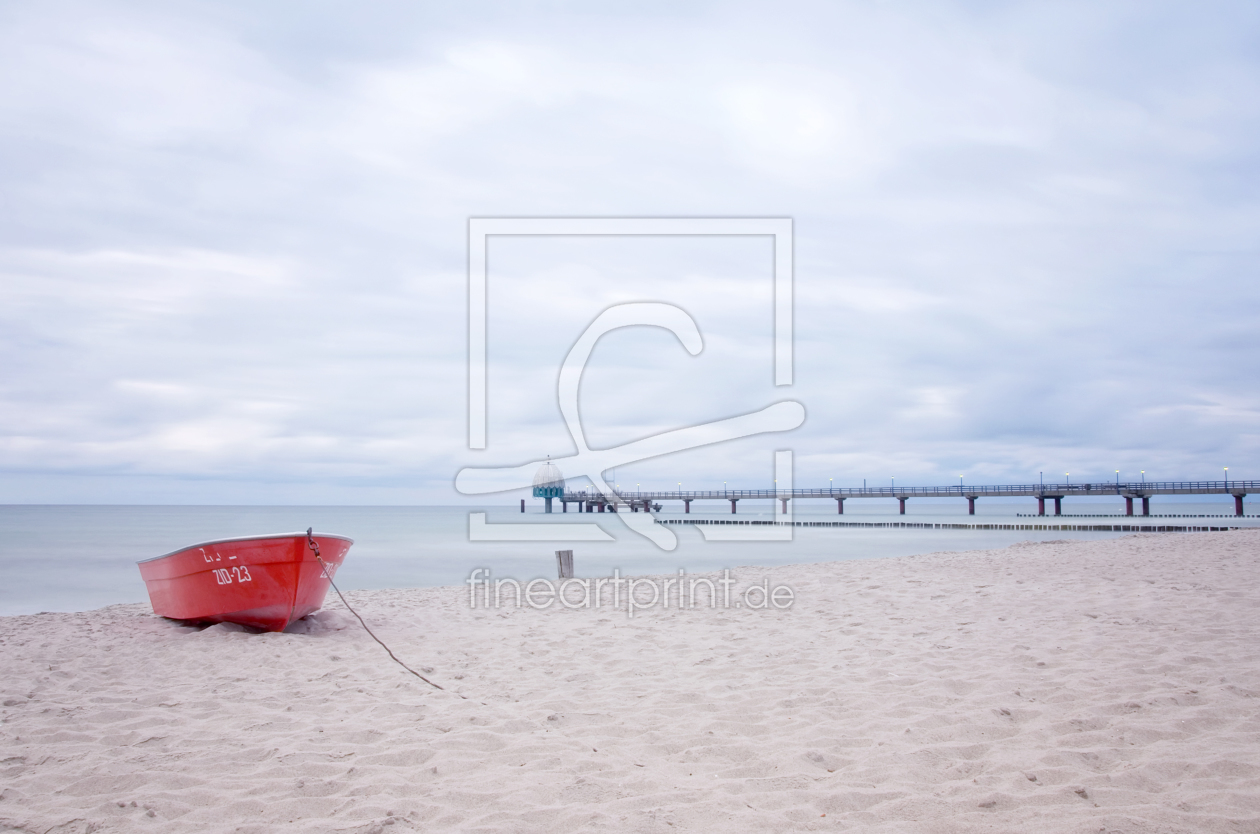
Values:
[(82, 557)]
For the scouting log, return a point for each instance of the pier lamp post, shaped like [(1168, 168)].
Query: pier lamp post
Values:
[(1068, 475), (1227, 477), (960, 482), (1117, 477), (831, 486), (1143, 476)]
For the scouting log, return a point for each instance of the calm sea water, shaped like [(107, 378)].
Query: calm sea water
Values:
[(75, 558)]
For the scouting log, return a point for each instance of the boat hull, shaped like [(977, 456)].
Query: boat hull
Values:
[(265, 582)]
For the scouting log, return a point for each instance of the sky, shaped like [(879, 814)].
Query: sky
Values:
[(234, 241)]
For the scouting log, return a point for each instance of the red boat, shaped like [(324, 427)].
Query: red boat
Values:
[(262, 581)]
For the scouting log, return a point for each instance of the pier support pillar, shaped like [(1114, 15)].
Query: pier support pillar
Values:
[(564, 506), (784, 501), (686, 506), (548, 506), (839, 506), (1128, 505), (1058, 505), (522, 505), (903, 505), (971, 505), (1041, 505), (603, 508), (1146, 505), (1238, 509), (733, 500)]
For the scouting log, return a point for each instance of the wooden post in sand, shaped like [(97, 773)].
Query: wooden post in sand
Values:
[(564, 563)]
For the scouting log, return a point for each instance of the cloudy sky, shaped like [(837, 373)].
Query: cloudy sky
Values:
[(233, 240)]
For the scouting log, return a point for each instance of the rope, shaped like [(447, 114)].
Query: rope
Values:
[(310, 542)]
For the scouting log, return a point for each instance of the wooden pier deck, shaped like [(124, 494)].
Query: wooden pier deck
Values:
[(593, 501)]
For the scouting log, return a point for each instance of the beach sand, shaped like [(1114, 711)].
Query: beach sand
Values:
[(1106, 686)]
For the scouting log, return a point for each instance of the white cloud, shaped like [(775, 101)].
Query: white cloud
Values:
[(233, 247)]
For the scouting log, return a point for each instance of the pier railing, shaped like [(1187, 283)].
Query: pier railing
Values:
[(591, 499), (1134, 489)]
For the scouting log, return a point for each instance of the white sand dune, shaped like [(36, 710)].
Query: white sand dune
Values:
[(1077, 687)]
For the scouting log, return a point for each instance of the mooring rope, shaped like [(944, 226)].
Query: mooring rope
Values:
[(314, 546)]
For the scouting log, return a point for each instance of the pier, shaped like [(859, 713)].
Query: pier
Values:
[(591, 500)]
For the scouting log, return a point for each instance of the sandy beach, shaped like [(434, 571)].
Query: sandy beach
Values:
[(1107, 686)]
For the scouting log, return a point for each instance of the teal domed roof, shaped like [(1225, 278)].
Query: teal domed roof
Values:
[(548, 482), (548, 475)]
